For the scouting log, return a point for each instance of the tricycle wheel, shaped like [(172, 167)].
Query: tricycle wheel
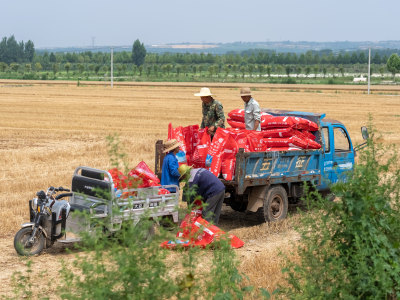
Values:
[(275, 204), (26, 248)]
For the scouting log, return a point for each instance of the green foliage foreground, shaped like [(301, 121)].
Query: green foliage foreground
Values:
[(350, 247)]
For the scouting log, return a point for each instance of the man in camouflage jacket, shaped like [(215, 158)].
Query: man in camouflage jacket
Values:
[(213, 112)]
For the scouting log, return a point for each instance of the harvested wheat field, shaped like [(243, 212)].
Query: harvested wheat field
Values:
[(48, 130)]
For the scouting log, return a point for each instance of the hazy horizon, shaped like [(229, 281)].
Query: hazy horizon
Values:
[(51, 24)]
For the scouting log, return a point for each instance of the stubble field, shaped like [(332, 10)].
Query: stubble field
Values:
[(47, 130)]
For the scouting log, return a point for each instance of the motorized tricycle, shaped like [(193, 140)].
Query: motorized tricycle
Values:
[(54, 217)]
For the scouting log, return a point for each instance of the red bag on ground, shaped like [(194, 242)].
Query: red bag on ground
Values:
[(236, 124), (197, 232)]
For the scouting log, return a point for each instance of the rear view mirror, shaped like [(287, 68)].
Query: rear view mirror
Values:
[(364, 132)]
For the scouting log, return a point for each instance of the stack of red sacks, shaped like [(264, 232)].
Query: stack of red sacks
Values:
[(194, 143), (268, 121), (139, 177), (197, 232), (279, 133)]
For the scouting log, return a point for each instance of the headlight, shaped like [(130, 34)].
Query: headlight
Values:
[(34, 203)]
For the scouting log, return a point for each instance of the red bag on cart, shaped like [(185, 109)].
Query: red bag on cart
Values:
[(143, 170), (119, 179)]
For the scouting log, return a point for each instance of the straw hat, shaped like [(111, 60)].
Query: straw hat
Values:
[(171, 145), (245, 92), (204, 92), (184, 169)]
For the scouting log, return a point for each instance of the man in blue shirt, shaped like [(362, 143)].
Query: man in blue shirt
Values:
[(169, 171), (202, 182)]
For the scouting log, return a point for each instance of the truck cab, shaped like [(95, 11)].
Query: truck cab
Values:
[(338, 153)]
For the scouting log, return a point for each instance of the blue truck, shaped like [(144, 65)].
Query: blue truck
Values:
[(266, 182)]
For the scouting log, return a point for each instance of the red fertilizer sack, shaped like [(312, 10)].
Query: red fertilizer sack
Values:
[(119, 179), (163, 191), (236, 124), (277, 122), (230, 149), (201, 150), (217, 144), (143, 171), (241, 139), (237, 115), (301, 123), (216, 163), (305, 143), (278, 132), (277, 142), (256, 141), (283, 149), (228, 168), (197, 232), (308, 134), (178, 135)]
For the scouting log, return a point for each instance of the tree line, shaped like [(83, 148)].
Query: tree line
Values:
[(13, 55)]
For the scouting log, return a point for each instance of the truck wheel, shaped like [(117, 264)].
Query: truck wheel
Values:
[(275, 204)]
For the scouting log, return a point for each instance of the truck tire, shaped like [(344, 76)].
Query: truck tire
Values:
[(275, 204)]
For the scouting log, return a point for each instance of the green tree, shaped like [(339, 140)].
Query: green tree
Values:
[(55, 68), (14, 67), (393, 64), (28, 68), (29, 51), (138, 53), (38, 67), (3, 66), (67, 67)]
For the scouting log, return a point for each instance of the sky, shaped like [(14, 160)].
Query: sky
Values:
[(81, 23)]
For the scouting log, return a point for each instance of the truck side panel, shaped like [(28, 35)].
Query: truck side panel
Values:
[(266, 168)]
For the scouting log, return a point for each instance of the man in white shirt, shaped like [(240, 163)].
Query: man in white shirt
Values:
[(252, 111)]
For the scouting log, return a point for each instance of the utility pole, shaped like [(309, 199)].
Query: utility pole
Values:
[(112, 78), (369, 68)]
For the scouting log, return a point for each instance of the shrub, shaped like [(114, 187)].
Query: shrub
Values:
[(350, 247)]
